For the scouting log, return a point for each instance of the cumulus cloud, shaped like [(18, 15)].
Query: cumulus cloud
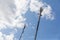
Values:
[(47, 12), (9, 37), (6, 37), (11, 12), (35, 6)]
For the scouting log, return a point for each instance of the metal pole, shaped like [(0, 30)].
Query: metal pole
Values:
[(22, 32), (38, 23)]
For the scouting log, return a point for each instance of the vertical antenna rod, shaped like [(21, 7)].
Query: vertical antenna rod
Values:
[(38, 23), (22, 32)]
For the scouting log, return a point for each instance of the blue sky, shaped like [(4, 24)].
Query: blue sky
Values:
[(48, 29)]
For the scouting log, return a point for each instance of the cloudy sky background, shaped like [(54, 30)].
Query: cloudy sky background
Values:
[(15, 13)]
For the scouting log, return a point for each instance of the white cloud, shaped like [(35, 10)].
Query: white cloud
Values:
[(6, 37), (47, 12), (1, 37), (35, 6), (9, 37), (11, 12)]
